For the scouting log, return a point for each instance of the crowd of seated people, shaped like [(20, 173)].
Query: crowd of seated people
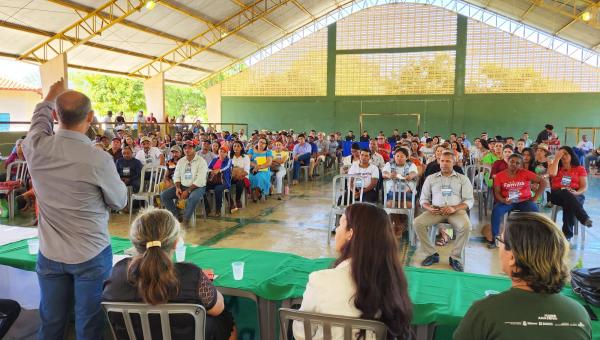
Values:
[(256, 166), (432, 168)]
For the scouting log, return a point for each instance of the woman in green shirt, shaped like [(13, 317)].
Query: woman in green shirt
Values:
[(493, 156), (532, 253)]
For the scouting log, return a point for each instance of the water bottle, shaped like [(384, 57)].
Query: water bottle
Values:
[(579, 264), (286, 190)]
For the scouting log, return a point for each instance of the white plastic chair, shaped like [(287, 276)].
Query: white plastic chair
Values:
[(400, 204), (343, 195), (115, 311), (149, 188), (476, 174)]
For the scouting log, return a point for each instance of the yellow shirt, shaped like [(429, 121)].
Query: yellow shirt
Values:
[(280, 156)]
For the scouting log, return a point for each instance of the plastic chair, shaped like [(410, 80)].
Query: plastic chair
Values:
[(149, 188), (212, 201), (399, 203), (476, 174), (554, 214), (289, 169), (433, 233), (19, 184), (125, 310), (326, 322), (344, 187), (226, 291)]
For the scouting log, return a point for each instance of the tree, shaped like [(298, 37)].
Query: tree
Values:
[(189, 101), (110, 93), (495, 78), (423, 75), (127, 95)]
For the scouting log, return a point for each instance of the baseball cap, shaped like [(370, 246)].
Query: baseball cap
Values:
[(187, 143), (176, 148), (145, 139)]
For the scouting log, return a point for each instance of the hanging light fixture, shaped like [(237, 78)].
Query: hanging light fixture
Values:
[(150, 4), (586, 16)]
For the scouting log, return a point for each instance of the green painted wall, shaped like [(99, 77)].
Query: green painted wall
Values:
[(498, 114), (506, 114)]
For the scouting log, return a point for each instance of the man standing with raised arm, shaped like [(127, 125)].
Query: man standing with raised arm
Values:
[(76, 185)]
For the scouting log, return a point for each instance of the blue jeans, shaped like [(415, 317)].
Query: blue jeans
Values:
[(580, 155), (168, 196), (302, 160), (62, 284), (588, 159), (500, 209), (218, 188)]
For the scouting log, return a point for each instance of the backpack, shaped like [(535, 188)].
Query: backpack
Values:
[(586, 283)]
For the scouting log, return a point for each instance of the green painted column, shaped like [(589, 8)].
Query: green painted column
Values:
[(461, 55), (331, 59), (458, 109)]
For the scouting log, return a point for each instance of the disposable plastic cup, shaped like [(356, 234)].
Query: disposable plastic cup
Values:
[(238, 270), (180, 254), (34, 246)]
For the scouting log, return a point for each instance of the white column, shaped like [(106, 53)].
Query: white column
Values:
[(213, 103), (154, 90), (52, 70)]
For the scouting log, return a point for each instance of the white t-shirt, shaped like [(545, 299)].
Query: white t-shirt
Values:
[(427, 152), (153, 156), (377, 160), (366, 173), (586, 146), (241, 162), (402, 170)]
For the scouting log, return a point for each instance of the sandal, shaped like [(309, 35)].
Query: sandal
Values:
[(441, 240)]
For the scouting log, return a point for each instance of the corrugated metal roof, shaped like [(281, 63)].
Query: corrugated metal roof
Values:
[(9, 84), (147, 34)]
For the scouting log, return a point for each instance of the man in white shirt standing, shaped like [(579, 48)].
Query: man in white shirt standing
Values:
[(139, 119), (150, 154), (190, 184), (425, 137), (369, 173), (76, 185), (107, 126)]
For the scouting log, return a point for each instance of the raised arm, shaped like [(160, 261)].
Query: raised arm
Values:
[(43, 119)]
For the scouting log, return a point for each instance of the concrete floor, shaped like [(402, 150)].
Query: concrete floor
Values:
[(298, 224)]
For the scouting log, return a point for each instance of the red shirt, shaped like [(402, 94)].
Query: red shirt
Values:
[(568, 178), (498, 166), (384, 150), (519, 184), (385, 154)]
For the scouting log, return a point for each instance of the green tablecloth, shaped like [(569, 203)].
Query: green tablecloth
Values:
[(440, 297)]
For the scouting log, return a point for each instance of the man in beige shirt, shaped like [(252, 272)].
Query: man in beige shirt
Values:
[(190, 183), (445, 196)]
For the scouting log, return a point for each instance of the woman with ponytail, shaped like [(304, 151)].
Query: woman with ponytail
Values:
[(152, 277), (366, 281)]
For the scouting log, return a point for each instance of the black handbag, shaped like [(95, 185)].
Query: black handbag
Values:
[(586, 283), (215, 179)]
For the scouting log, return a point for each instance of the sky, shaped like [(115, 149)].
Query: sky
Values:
[(20, 71)]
